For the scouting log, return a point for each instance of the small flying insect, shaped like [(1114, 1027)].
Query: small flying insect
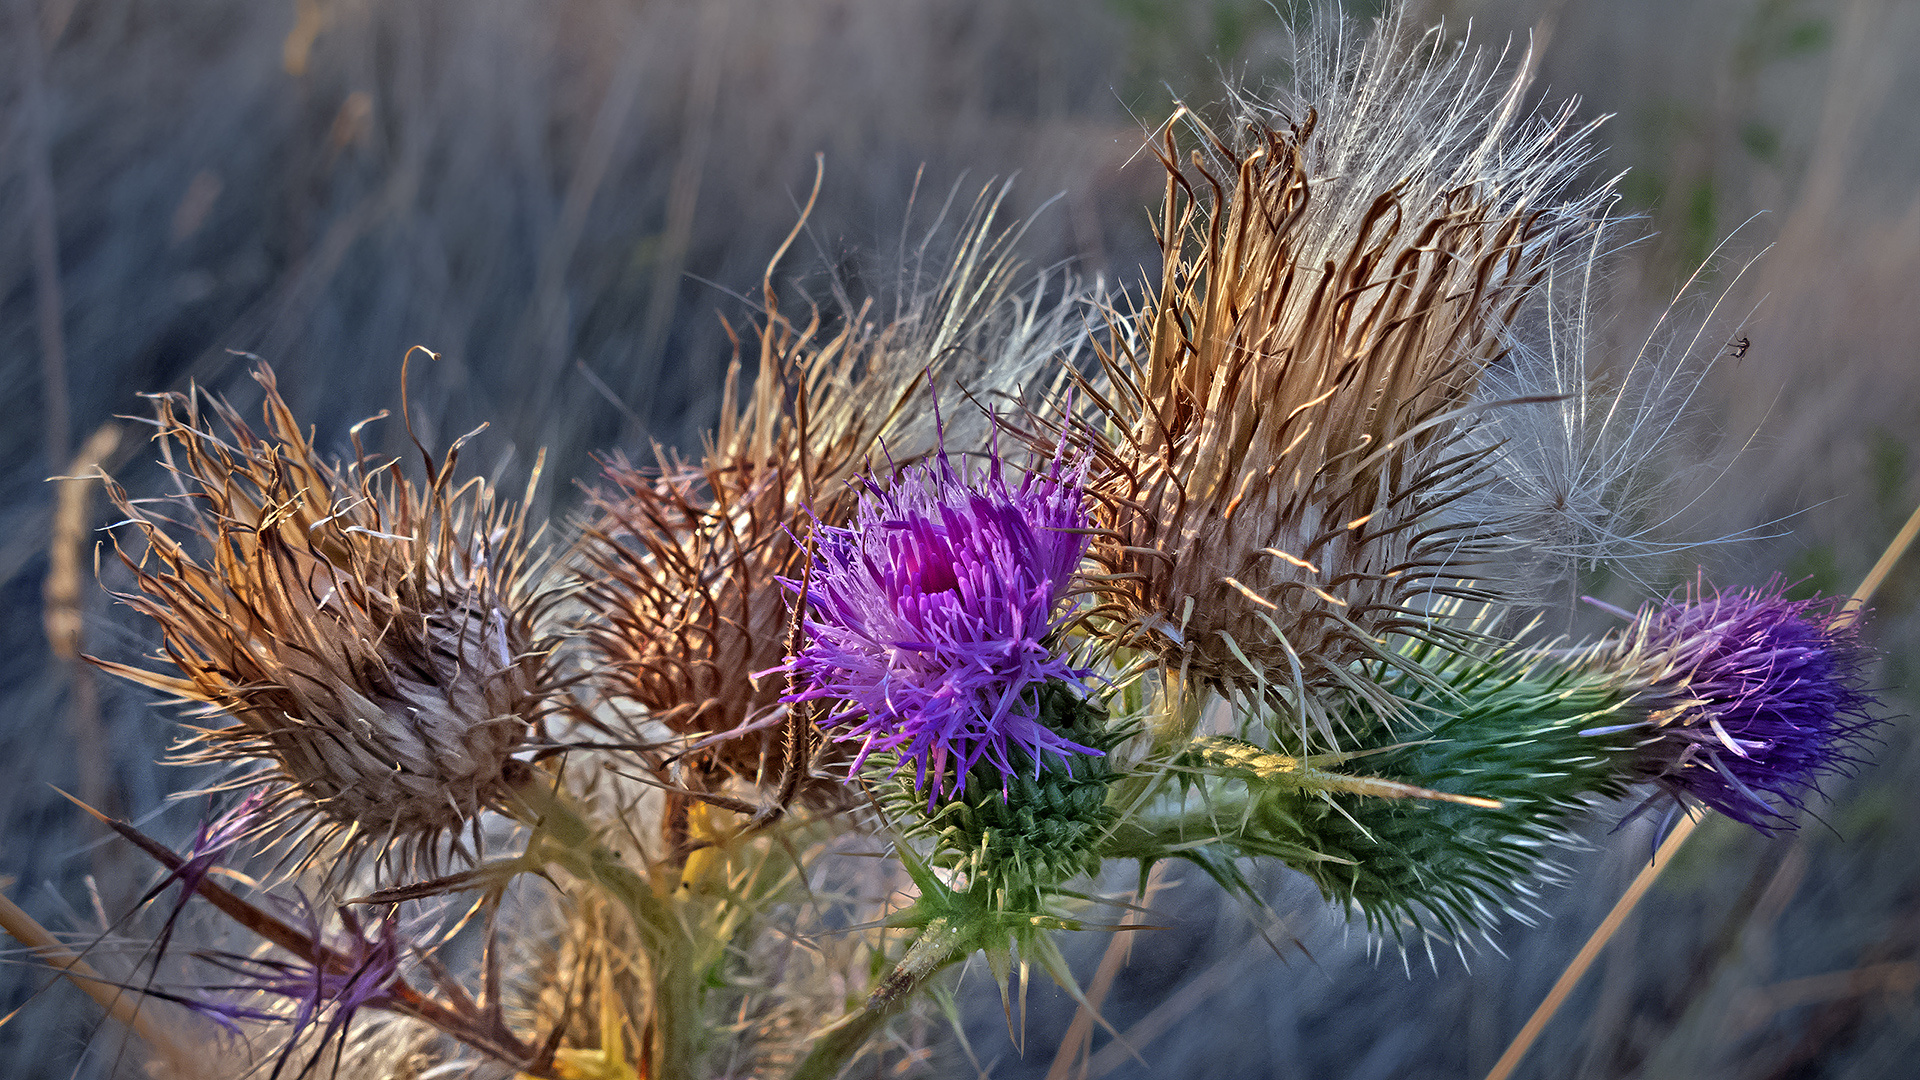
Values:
[(1739, 346)]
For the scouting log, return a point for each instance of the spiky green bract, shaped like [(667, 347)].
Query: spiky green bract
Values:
[(953, 924), (1517, 730), (1512, 727), (1012, 837)]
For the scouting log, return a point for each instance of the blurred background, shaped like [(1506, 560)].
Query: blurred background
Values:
[(565, 198)]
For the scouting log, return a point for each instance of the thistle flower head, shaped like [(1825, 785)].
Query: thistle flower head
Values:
[(684, 559), (1280, 427), (931, 618), (371, 642), (685, 602), (1763, 699)]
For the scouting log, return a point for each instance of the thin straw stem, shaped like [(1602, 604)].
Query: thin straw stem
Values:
[(1871, 583), (1583, 960), (121, 1004)]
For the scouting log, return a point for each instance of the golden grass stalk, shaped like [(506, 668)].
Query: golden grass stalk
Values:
[(369, 642), (128, 1007)]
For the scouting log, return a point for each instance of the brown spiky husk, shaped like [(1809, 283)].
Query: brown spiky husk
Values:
[(371, 641), (682, 563), (1280, 426)]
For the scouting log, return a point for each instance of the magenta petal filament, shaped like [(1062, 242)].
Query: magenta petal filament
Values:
[(932, 619), (1767, 698)]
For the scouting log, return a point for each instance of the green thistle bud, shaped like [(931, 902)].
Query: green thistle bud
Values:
[(1518, 734), (1014, 836), (1526, 735)]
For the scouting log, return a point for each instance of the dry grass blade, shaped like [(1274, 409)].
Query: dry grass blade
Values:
[(120, 1004)]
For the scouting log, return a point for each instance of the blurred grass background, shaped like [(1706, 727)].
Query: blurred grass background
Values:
[(559, 197)]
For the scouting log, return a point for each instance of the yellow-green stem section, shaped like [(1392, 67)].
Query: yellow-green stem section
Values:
[(565, 839), (938, 946)]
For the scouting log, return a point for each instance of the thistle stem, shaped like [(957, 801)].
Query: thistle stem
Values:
[(570, 842), (937, 947)]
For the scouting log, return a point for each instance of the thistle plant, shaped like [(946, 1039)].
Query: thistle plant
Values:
[(371, 643), (1219, 593)]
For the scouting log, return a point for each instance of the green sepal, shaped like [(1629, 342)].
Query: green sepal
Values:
[(1014, 837), (1515, 728), (1534, 732)]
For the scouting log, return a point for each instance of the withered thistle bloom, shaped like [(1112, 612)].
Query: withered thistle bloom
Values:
[(369, 643), (682, 586), (211, 843), (933, 619), (360, 967), (1280, 428), (682, 561), (1759, 698)]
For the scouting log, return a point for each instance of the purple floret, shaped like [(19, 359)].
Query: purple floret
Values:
[(1768, 699), (931, 617), (345, 973), (211, 843)]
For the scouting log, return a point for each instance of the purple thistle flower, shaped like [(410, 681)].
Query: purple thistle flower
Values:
[(211, 842), (933, 614), (1765, 699), (346, 973)]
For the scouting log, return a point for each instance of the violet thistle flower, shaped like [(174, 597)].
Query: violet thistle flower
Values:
[(1759, 698), (371, 643), (683, 593), (932, 619)]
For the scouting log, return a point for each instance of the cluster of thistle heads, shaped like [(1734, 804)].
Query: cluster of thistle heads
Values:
[(1024, 580)]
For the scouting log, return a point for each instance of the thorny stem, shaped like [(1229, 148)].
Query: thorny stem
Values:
[(939, 946), (567, 840), (483, 1034)]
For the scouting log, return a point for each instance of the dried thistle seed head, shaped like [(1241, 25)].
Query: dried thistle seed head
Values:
[(371, 642), (682, 586), (1280, 426), (680, 565)]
